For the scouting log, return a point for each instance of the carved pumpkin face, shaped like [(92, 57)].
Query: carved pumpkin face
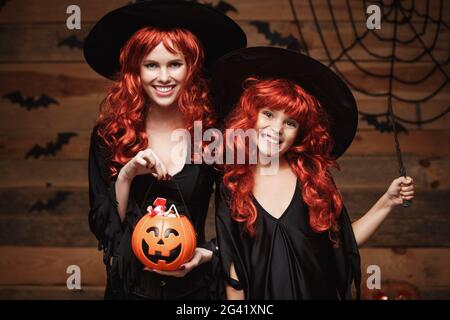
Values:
[(163, 242)]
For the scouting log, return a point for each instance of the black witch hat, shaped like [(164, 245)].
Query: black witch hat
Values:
[(218, 33)]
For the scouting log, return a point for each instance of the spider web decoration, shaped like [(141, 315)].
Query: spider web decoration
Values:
[(393, 15)]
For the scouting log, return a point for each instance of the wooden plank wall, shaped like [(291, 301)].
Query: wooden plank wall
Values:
[(39, 241)]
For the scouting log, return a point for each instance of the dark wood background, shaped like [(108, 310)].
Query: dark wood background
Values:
[(38, 242)]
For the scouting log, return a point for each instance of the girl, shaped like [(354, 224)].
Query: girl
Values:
[(285, 233), (154, 51)]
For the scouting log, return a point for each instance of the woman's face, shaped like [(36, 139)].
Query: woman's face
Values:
[(163, 75), (276, 132)]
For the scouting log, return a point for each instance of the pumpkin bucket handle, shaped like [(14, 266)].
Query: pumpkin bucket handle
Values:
[(175, 209)]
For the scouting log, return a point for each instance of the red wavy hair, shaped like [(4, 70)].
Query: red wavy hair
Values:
[(122, 114), (309, 156)]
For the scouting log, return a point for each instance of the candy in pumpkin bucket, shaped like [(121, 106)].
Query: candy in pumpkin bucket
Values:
[(163, 240)]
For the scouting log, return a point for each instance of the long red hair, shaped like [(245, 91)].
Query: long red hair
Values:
[(309, 156), (122, 114)]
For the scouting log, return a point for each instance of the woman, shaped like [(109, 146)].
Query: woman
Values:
[(154, 52), (283, 231)]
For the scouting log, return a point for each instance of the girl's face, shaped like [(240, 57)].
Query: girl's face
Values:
[(163, 75), (276, 132)]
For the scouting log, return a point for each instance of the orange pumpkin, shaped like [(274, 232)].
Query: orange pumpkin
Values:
[(164, 241)]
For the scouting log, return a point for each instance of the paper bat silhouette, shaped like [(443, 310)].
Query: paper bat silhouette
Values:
[(52, 147), (383, 126), (71, 42), (30, 102), (277, 38), (52, 203)]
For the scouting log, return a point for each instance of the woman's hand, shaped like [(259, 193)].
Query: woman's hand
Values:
[(144, 162), (201, 255), (400, 189)]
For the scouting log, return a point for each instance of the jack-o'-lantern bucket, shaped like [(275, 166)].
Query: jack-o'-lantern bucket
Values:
[(163, 240)]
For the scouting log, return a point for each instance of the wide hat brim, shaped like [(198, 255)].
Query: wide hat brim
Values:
[(229, 72), (218, 33)]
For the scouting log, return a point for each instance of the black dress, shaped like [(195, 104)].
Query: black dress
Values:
[(189, 190), (286, 259)]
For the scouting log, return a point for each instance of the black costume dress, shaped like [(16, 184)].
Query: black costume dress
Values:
[(189, 190), (286, 259)]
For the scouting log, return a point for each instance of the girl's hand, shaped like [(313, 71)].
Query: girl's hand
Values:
[(201, 255), (144, 162), (400, 189)]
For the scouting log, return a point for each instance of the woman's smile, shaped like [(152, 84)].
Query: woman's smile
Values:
[(164, 91)]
